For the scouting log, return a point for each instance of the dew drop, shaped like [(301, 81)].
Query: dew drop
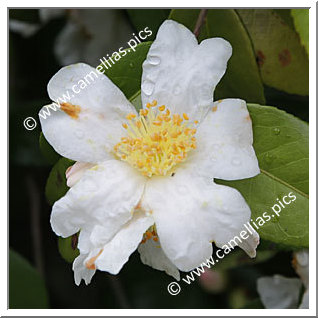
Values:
[(147, 87), (154, 60), (276, 131), (236, 162)]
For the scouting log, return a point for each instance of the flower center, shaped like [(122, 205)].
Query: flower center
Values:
[(156, 140)]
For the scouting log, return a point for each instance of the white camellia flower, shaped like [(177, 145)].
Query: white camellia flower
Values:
[(279, 292), (145, 180)]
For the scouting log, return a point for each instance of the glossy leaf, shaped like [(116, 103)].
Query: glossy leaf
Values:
[(26, 286), (301, 22), (281, 145), (56, 183), (126, 72), (282, 59), (242, 78)]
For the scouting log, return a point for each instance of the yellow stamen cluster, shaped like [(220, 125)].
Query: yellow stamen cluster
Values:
[(156, 140)]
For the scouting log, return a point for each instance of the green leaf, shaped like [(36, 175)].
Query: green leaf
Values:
[(281, 146), (26, 286), (151, 18), (301, 21), (56, 183), (47, 150), (68, 247), (126, 72), (282, 59), (242, 78), (285, 14)]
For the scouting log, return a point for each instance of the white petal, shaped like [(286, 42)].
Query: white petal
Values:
[(75, 172), (85, 244), (105, 196), (225, 143), (151, 254), (250, 243), (301, 265), (305, 301), (80, 270), (90, 134), (279, 292), (191, 212), (181, 74), (116, 253)]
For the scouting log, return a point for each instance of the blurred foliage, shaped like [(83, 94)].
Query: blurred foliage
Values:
[(26, 286), (260, 71), (151, 18), (47, 151), (56, 183)]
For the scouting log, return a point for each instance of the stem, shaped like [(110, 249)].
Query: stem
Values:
[(200, 22)]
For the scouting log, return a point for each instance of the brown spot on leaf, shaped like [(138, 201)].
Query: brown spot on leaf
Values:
[(71, 110), (260, 58), (284, 57)]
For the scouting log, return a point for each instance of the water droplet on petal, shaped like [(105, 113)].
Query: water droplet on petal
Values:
[(276, 131), (236, 161), (154, 60), (147, 87)]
